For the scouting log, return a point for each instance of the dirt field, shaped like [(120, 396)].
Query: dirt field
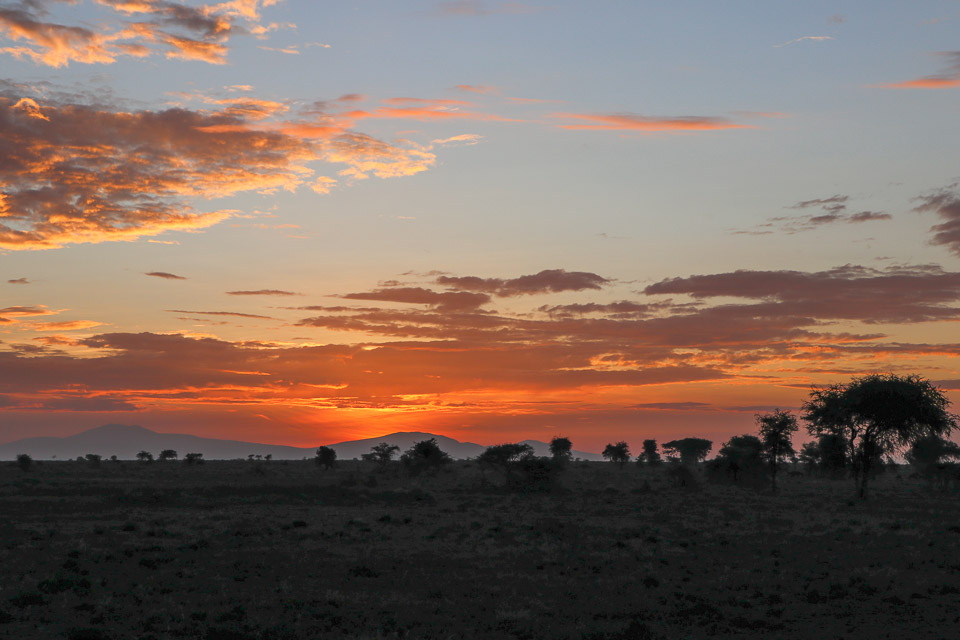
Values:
[(276, 550)]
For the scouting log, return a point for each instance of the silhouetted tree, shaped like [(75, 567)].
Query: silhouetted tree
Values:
[(145, 456), (561, 449), (876, 415), (619, 453), (268, 457), (24, 461), (505, 456), (382, 453), (649, 455), (424, 455), (326, 457), (776, 433), (167, 454), (809, 456), (739, 455), (93, 459), (931, 450), (193, 458), (688, 450)]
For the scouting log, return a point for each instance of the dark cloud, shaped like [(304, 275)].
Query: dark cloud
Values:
[(834, 211), (673, 406), (896, 294), (450, 300), (164, 274), (263, 292), (946, 204), (234, 314), (546, 281)]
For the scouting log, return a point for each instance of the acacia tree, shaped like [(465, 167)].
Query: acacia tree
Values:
[(878, 414), (505, 456), (145, 456), (690, 451), (619, 453), (167, 454), (382, 453), (776, 433), (561, 449)]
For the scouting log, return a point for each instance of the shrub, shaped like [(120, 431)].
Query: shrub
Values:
[(93, 459), (25, 462), (326, 457)]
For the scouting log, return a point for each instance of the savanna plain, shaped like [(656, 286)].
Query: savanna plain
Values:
[(245, 550)]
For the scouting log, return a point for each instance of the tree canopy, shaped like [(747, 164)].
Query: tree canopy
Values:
[(688, 450)]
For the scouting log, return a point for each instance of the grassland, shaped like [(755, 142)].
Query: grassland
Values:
[(245, 550)]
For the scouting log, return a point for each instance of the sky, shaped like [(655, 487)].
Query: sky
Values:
[(302, 222)]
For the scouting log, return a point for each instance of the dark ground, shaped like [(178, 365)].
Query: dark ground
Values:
[(275, 550)]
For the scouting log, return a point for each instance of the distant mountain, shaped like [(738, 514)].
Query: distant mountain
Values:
[(125, 441)]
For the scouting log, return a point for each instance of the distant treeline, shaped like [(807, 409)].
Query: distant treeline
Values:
[(856, 428)]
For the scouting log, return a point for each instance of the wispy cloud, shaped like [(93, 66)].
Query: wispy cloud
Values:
[(647, 124), (165, 275), (946, 204), (263, 292), (804, 39), (833, 210)]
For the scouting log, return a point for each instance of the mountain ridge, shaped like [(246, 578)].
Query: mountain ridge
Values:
[(125, 441)]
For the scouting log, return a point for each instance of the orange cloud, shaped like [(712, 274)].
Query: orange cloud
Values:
[(204, 31), (628, 122), (88, 174), (948, 79)]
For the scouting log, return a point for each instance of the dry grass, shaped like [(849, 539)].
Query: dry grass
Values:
[(241, 550)]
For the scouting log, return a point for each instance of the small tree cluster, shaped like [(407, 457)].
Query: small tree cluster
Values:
[(193, 458), (619, 453)]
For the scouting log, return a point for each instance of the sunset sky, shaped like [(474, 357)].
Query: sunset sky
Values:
[(302, 222)]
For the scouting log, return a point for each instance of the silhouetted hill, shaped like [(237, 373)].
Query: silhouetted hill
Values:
[(125, 441)]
